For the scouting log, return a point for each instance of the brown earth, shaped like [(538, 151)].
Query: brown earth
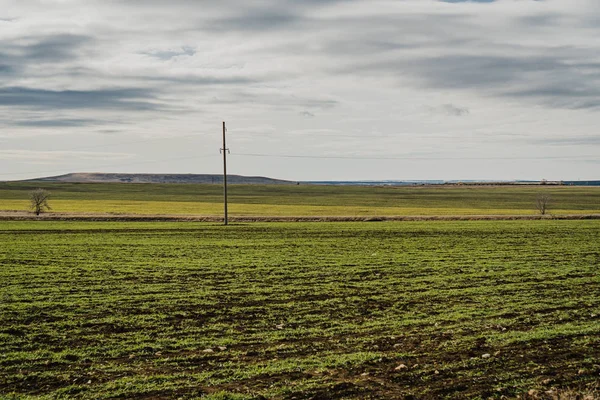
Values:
[(27, 216)]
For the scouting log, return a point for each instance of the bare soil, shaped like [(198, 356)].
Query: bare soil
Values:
[(28, 216)]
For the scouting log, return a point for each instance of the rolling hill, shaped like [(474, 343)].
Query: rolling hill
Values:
[(161, 178)]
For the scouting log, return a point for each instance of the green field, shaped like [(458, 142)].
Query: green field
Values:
[(276, 200), (472, 309)]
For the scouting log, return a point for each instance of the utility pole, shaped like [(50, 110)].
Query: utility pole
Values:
[(224, 150)]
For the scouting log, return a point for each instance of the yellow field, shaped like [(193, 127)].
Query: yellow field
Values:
[(214, 208)]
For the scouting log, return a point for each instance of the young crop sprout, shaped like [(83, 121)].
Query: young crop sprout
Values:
[(38, 199)]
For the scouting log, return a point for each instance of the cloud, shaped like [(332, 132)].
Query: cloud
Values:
[(467, 1), (5, 69), (169, 54), (474, 71), (53, 48), (570, 141), (109, 131), (254, 21), (566, 94), (200, 80), (450, 109), (22, 54), (58, 123), (132, 99), (280, 100), (59, 156), (546, 79)]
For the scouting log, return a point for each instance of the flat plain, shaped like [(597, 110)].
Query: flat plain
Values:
[(380, 310), (302, 200)]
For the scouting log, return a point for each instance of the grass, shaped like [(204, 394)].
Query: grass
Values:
[(308, 310), (275, 200)]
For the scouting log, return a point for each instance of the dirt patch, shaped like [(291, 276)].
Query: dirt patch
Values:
[(25, 216)]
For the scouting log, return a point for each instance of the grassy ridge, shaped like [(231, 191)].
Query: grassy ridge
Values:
[(301, 200), (338, 310)]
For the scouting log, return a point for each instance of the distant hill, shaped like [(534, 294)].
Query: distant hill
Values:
[(261, 180), (162, 178)]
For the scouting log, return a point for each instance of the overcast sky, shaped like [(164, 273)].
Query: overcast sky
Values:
[(310, 89)]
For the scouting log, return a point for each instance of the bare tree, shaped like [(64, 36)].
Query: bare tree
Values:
[(38, 199), (541, 203)]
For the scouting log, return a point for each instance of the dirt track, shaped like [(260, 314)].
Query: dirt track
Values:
[(26, 216)]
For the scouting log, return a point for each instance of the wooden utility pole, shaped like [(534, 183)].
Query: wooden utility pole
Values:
[(224, 150)]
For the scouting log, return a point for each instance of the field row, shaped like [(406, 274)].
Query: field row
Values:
[(302, 200), (322, 310), (126, 207)]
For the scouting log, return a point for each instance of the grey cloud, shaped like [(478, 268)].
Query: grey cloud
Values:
[(254, 21), (352, 47), (317, 103), (317, 2), (307, 114), (457, 111), (199, 80), (109, 131), (5, 69), (277, 100), (468, 71), (575, 95), (58, 123), (545, 79), (131, 99), (382, 39), (467, 1), (256, 17), (560, 77), (239, 3), (18, 55), (233, 4), (167, 55), (410, 28), (51, 48), (55, 48), (540, 20), (570, 141), (50, 155), (451, 109)]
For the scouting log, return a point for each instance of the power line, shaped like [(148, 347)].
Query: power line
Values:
[(580, 158)]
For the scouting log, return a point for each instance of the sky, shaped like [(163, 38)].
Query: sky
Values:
[(309, 89)]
